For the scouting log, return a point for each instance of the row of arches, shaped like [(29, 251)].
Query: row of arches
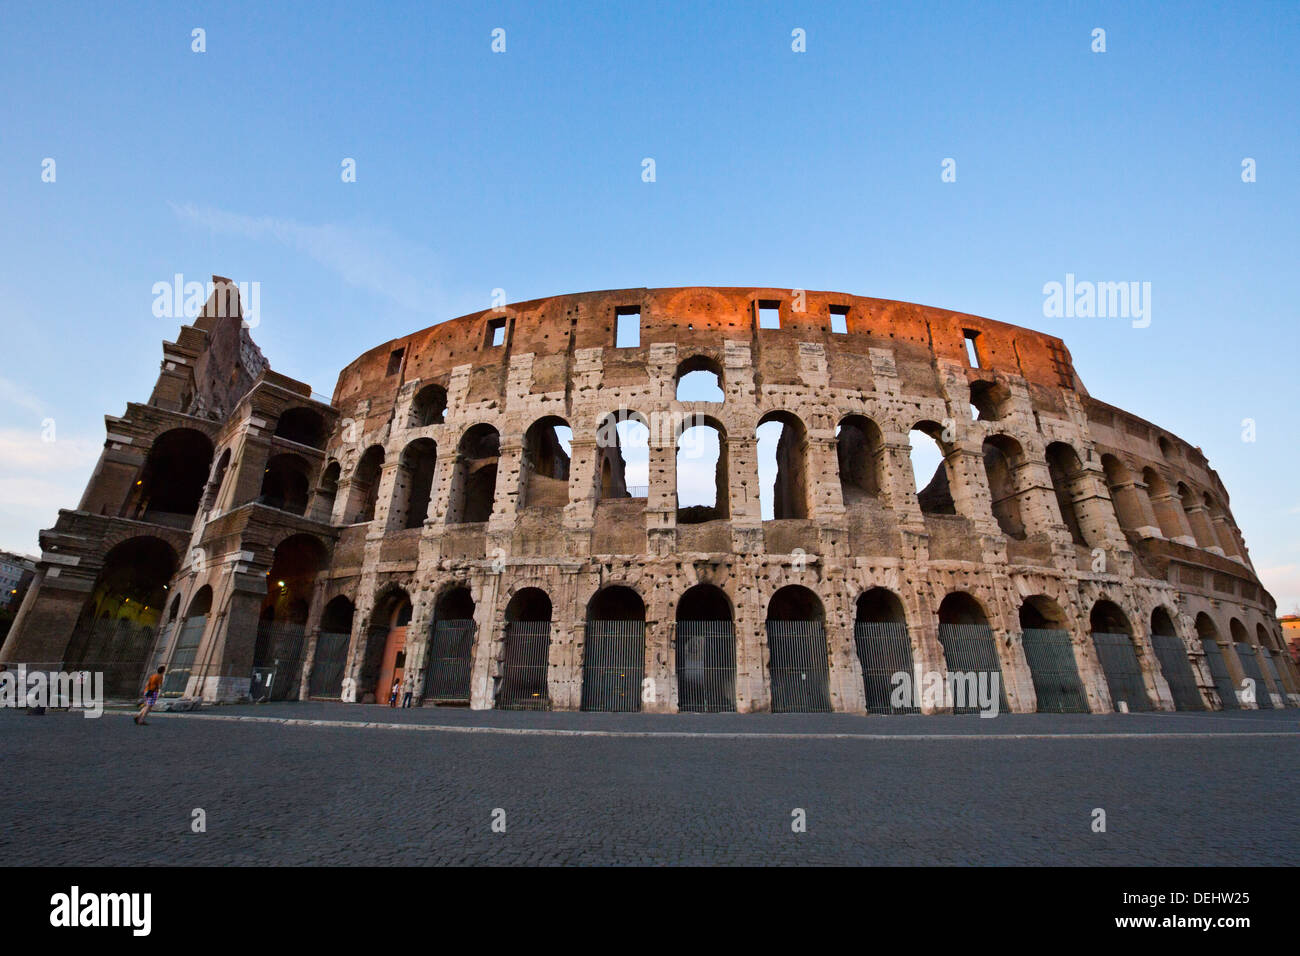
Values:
[(1179, 513)]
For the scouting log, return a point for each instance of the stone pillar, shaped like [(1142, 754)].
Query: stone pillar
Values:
[(661, 504)]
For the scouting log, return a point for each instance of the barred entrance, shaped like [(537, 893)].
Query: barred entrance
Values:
[(328, 664), (1219, 672), (971, 649), (117, 648), (1270, 665), (524, 670), (1123, 673), (796, 644), (613, 665), (277, 662), (1250, 665), (706, 667), (1050, 655), (187, 644), (449, 662), (884, 649), (1177, 670)]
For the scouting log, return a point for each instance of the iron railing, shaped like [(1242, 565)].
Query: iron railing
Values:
[(1219, 672), (613, 665), (1177, 669), (450, 660), (116, 647), (526, 666), (1270, 665), (798, 667), (1250, 666), (706, 667), (972, 649), (277, 661), (328, 665), (1050, 655), (182, 661), (884, 649), (1119, 663)]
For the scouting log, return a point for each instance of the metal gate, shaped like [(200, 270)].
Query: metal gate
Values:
[(277, 662), (1219, 671), (1270, 665), (613, 665), (328, 664), (972, 649), (524, 670), (118, 648), (450, 661), (1050, 655), (1123, 673), (798, 667), (182, 662), (884, 649), (1250, 665), (1178, 671), (706, 667)]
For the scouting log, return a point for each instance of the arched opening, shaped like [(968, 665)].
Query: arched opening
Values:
[(1003, 458), (860, 452), (701, 471), (1112, 635), (1067, 481), (118, 623), (186, 646), (327, 492), (989, 400), (171, 484), (1049, 651), (429, 407), (798, 661), (212, 493), (544, 471), (705, 652), (1163, 504), (526, 653), (930, 470), (1174, 663), (414, 484), (364, 493), (451, 648), (1208, 634), (782, 466), (282, 628), (613, 665), (474, 483), (331, 657), (885, 652), (971, 654), (1225, 532), (1250, 665), (284, 484), (1197, 520), (1124, 494), (699, 379), (384, 665), (1274, 662), (302, 425), (623, 449)]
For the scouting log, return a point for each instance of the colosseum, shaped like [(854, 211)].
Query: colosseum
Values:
[(661, 500)]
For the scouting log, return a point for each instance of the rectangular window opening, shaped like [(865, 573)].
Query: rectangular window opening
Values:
[(496, 333), (769, 314), (840, 319), (395, 361), (627, 334), (972, 348)]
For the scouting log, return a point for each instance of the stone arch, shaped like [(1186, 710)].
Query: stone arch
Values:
[(1175, 665), (786, 494), (623, 453), (613, 665), (544, 468), (860, 453), (364, 492), (384, 660), (302, 425), (705, 651), (1163, 504), (327, 491), (1251, 665), (1124, 494), (990, 400), (1113, 637), (699, 378), (935, 496), (185, 647), (1196, 516), (1049, 652), (701, 465), (212, 493), (474, 479), (970, 653), (285, 483), (450, 661), (1068, 482), (1003, 459), (329, 662), (172, 481), (413, 487), (429, 407), (525, 652), (884, 650), (798, 655)]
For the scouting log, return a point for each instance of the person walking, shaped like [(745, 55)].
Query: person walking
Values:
[(151, 690)]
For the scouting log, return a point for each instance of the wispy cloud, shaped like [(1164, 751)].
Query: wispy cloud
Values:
[(11, 393), (37, 478), (371, 259), (1283, 582)]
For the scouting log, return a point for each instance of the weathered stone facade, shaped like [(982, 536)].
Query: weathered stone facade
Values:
[(360, 522)]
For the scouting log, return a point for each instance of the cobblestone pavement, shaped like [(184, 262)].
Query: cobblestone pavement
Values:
[(634, 789)]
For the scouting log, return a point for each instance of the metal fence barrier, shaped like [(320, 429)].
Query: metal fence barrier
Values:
[(450, 660), (1219, 671), (277, 661), (1271, 666), (706, 667), (182, 662), (613, 665), (798, 667), (972, 649), (1250, 666), (1177, 668), (328, 664), (1119, 663), (1050, 655), (525, 668), (884, 649)]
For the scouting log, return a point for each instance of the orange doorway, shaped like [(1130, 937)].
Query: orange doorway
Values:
[(393, 664)]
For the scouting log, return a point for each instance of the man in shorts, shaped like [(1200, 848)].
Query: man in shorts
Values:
[(150, 695)]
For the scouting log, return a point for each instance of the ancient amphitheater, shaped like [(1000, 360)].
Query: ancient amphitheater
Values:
[(693, 499)]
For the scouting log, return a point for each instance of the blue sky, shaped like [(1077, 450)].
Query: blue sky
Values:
[(522, 171)]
